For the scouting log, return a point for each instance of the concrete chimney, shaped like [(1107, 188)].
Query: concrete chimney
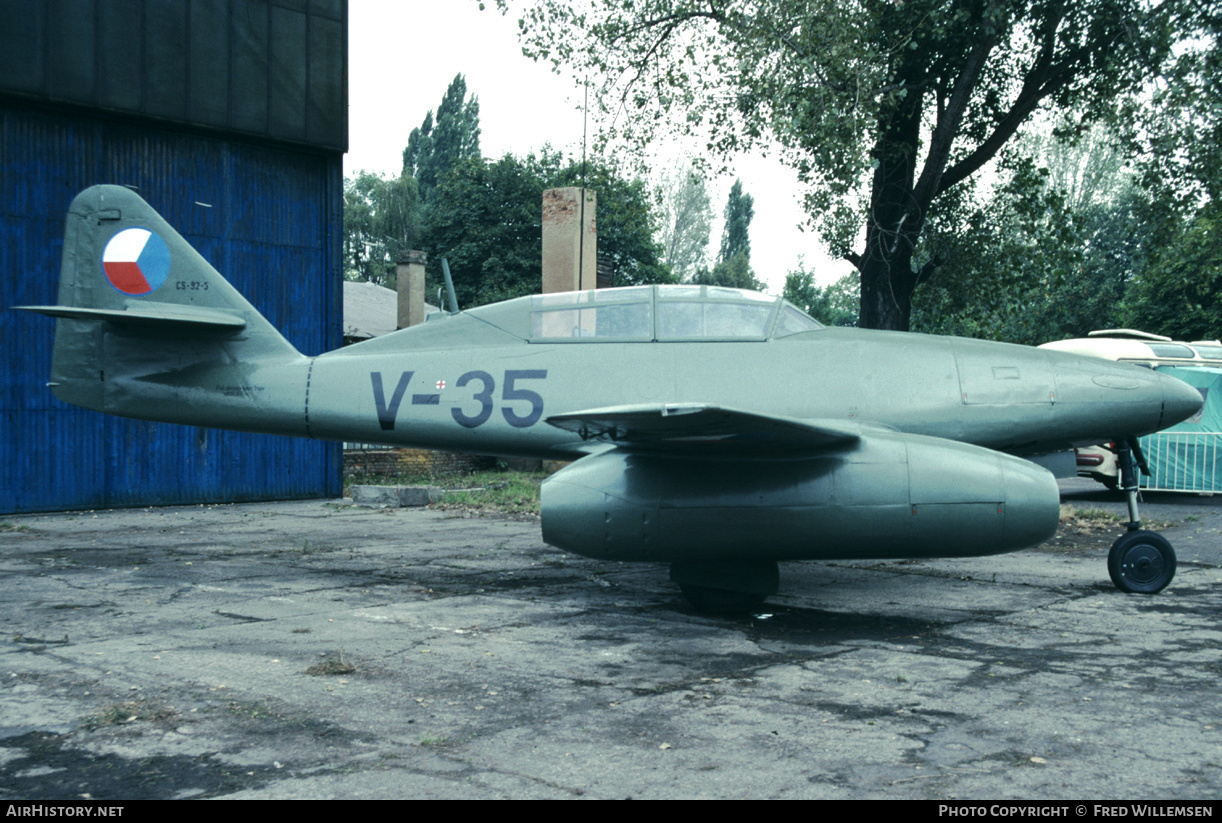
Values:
[(570, 240), (409, 283)]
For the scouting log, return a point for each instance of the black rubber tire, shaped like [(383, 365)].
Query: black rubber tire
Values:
[(1141, 562), (721, 601)]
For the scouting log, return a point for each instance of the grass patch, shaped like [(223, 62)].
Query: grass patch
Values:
[(1088, 521), (1088, 529), (493, 491), (510, 492), (1093, 521)]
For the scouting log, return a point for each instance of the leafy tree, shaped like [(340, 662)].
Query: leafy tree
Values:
[(1027, 266), (485, 216), (884, 108), (686, 218), (381, 221), (1180, 132), (1087, 166), (486, 220), (626, 223), (1176, 292), (735, 237), (436, 147), (1180, 293), (1076, 244), (735, 273), (834, 305)]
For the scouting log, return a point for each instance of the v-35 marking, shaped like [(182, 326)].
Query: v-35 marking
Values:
[(510, 392)]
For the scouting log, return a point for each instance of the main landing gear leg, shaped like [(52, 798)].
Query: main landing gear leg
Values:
[(1140, 561), (726, 586)]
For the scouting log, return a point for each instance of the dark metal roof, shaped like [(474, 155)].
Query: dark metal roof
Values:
[(371, 310), (275, 69)]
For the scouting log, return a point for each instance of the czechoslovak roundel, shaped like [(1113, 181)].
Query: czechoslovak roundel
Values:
[(136, 261)]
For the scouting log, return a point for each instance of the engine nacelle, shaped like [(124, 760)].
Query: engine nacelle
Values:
[(886, 495)]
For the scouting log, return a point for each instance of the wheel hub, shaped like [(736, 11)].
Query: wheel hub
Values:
[(1142, 564)]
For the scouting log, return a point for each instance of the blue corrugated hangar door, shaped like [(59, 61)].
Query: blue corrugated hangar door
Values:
[(266, 216)]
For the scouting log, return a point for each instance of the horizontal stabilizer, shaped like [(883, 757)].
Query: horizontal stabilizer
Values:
[(148, 313), (704, 429)]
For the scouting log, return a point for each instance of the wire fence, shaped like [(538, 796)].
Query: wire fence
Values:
[(1183, 461)]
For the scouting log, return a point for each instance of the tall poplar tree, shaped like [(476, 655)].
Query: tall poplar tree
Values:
[(733, 266), (439, 144), (735, 237)]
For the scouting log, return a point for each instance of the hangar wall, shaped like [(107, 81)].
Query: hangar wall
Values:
[(262, 204)]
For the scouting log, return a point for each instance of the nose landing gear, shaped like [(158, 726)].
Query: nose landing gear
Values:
[(1140, 561)]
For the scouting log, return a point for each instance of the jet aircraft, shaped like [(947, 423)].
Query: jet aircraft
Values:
[(715, 429)]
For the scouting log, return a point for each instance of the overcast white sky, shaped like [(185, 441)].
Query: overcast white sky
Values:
[(403, 54)]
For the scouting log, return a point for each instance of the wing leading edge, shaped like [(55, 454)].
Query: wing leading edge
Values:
[(697, 428)]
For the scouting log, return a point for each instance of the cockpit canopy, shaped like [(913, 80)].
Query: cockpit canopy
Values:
[(648, 313)]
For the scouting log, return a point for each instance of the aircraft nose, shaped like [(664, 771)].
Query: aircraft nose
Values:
[(1180, 400)]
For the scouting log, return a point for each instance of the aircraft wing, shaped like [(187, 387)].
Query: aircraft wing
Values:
[(699, 428)]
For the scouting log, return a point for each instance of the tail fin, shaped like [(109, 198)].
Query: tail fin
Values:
[(147, 328)]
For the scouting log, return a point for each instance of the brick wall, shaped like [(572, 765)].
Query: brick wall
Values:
[(392, 462)]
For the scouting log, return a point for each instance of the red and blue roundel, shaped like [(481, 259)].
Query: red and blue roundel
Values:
[(136, 261)]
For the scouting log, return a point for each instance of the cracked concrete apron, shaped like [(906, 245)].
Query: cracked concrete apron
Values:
[(309, 650)]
